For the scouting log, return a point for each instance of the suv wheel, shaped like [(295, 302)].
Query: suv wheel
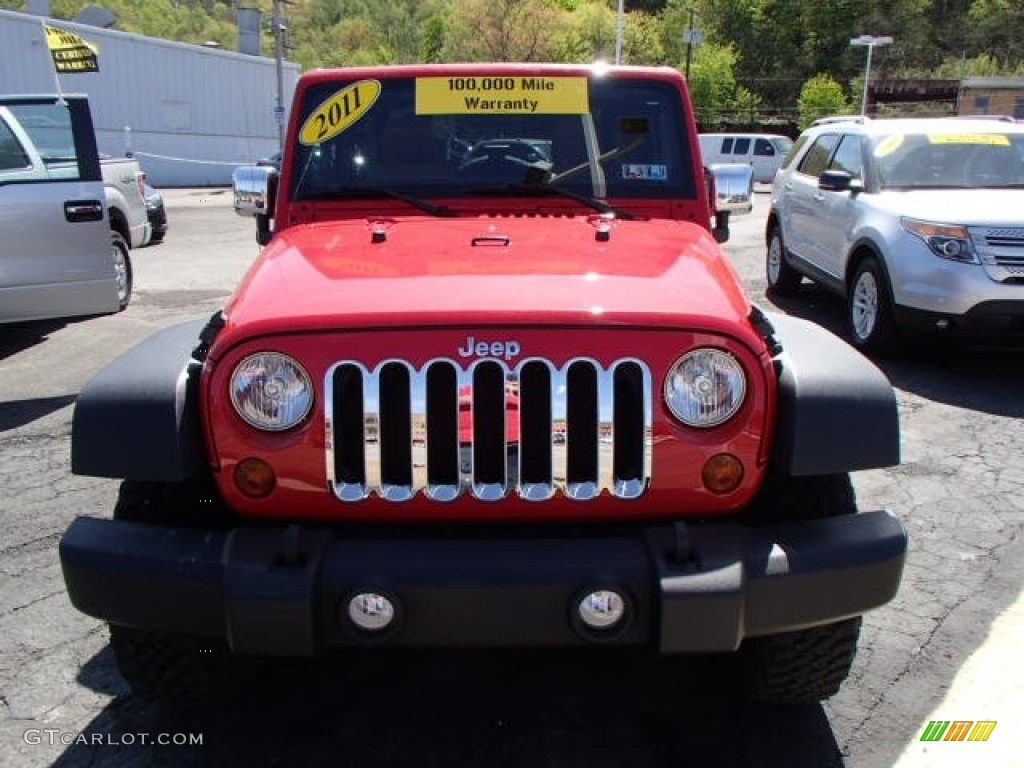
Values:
[(179, 670), (782, 278), (810, 664), (869, 311)]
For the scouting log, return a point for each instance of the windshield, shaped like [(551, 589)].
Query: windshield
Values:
[(454, 137), (944, 160)]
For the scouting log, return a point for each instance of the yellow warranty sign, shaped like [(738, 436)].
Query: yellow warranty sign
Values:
[(339, 112), (990, 139), (501, 95)]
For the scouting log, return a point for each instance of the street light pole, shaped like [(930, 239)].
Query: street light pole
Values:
[(870, 42)]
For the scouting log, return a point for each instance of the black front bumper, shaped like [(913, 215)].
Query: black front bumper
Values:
[(688, 588), (999, 322)]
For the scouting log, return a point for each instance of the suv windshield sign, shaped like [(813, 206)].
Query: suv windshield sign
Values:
[(339, 112), (501, 96)]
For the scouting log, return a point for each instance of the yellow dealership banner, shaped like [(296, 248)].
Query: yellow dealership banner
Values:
[(70, 52), (501, 95)]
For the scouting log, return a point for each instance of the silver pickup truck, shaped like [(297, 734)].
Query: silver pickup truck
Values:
[(67, 219)]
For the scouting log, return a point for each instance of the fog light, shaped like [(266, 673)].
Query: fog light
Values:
[(722, 473), (602, 609), (255, 478), (371, 611)]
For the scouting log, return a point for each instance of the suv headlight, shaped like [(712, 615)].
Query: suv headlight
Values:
[(705, 387), (948, 241), (271, 391)]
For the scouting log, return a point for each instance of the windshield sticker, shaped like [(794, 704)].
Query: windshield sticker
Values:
[(645, 172), (339, 112), (989, 139), (496, 95), (888, 145)]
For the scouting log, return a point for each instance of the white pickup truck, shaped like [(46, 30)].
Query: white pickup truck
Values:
[(69, 218)]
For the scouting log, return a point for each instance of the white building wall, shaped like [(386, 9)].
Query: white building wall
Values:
[(190, 114)]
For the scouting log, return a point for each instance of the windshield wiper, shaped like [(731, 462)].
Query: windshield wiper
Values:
[(350, 193), (541, 190)]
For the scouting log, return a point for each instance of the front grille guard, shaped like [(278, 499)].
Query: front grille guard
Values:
[(488, 430)]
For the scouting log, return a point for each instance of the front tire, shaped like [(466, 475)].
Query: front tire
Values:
[(800, 667), (782, 279), (180, 670), (807, 665), (869, 309)]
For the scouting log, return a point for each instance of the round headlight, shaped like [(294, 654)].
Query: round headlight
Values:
[(705, 387), (271, 391)]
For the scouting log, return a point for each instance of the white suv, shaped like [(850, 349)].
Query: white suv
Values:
[(919, 223)]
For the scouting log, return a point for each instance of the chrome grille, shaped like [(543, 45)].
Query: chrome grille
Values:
[(488, 430), (1001, 251)]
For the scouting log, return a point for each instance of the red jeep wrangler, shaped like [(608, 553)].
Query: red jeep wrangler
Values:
[(492, 382)]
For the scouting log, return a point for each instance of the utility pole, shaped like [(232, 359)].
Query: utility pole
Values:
[(691, 37), (618, 34), (279, 30)]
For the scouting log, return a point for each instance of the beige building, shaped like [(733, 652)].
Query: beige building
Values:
[(992, 96)]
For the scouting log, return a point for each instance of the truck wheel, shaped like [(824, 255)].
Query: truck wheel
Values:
[(180, 670), (122, 269), (810, 664), (782, 278)]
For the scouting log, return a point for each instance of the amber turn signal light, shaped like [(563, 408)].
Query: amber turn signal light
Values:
[(255, 478), (722, 473)]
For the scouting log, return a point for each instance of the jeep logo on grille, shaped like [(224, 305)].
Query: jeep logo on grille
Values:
[(506, 349)]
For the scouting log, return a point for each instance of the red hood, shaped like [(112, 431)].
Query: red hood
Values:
[(488, 271)]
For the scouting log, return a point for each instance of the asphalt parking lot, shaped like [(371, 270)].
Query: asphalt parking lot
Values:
[(943, 649)]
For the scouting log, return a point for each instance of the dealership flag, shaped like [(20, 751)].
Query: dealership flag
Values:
[(70, 52)]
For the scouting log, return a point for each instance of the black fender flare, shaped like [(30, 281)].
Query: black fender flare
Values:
[(138, 418), (837, 412)]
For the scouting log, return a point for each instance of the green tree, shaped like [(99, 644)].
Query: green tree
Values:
[(717, 97), (504, 30), (588, 34), (996, 29), (433, 39), (820, 96)]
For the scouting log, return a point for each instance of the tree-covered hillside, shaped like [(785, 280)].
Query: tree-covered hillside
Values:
[(754, 59)]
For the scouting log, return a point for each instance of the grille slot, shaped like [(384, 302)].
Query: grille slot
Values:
[(488, 430)]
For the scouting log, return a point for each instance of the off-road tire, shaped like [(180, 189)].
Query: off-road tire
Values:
[(181, 671), (799, 667), (782, 279), (813, 497), (810, 664)]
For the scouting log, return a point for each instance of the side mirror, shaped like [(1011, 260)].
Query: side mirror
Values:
[(255, 188), (839, 181), (734, 187)]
